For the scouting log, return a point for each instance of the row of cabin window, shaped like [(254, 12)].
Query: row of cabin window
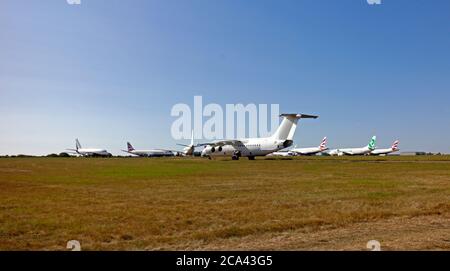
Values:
[(257, 145)]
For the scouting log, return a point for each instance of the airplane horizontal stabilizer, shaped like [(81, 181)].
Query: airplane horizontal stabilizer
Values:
[(300, 116)]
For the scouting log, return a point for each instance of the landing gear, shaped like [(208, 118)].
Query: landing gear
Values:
[(236, 155), (251, 158)]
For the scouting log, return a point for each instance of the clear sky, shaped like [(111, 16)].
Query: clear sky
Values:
[(109, 71)]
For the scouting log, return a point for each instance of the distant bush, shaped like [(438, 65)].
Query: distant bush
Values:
[(62, 154)]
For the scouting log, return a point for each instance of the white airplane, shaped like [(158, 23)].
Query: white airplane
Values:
[(392, 149), (356, 151), (310, 151), (148, 153), (251, 147), (88, 151)]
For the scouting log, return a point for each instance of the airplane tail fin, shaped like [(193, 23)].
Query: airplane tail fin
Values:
[(287, 128), (192, 142), (130, 147), (77, 144), (395, 145), (323, 145), (372, 143)]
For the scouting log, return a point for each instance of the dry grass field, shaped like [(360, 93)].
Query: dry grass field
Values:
[(313, 203)]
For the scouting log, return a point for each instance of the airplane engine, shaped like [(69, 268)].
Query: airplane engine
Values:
[(219, 148), (213, 149)]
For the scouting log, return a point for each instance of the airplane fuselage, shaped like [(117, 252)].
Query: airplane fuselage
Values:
[(383, 151), (307, 151), (350, 151), (250, 147), (151, 153), (282, 153)]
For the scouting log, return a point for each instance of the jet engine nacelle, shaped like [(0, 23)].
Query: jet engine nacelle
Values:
[(214, 149)]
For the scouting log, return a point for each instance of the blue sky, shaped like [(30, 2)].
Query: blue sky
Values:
[(109, 71)]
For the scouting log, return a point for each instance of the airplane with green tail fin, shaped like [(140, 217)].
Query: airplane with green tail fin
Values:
[(356, 151)]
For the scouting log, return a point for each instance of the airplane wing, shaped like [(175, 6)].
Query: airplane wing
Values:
[(347, 153), (219, 143), (300, 116)]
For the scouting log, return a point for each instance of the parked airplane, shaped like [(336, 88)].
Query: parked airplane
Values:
[(148, 153), (88, 151), (394, 148), (355, 151), (310, 151), (251, 147)]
